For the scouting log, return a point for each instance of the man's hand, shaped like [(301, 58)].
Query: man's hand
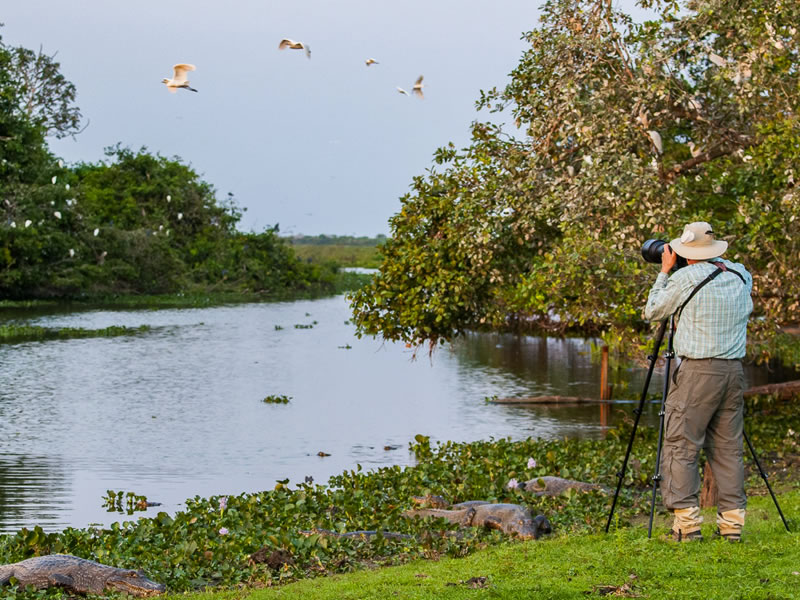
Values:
[(668, 259)]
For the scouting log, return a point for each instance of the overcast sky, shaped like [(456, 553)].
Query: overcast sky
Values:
[(325, 145)]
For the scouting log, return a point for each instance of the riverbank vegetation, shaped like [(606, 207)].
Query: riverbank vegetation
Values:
[(623, 564), (268, 538), (133, 224), (609, 132)]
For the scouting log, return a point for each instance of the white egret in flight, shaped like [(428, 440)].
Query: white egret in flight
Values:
[(417, 89), (179, 78), (287, 43)]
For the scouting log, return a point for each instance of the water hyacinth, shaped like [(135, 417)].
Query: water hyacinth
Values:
[(223, 531), (223, 503), (512, 484), (531, 463)]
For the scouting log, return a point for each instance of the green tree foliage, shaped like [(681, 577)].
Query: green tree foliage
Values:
[(138, 223), (609, 132)]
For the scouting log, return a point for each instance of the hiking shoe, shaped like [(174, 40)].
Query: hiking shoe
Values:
[(734, 538), (692, 536)]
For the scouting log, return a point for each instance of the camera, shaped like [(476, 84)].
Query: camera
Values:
[(652, 251)]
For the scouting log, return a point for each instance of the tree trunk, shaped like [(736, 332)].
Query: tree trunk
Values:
[(708, 495)]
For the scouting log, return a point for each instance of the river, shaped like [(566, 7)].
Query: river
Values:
[(178, 411)]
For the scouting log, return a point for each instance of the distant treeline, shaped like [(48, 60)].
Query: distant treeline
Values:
[(135, 223), (337, 240)]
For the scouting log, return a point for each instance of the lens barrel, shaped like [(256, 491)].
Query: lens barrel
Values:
[(652, 250)]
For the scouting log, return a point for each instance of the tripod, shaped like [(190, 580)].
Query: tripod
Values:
[(668, 355)]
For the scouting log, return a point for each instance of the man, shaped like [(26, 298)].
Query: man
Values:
[(705, 407)]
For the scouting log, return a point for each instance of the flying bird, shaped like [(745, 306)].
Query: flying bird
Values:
[(402, 91), (179, 78), (371, 61), (287, 43), (417, 89)]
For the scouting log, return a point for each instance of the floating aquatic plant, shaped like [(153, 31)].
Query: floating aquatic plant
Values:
[(126, 502), (277, 399), (14, 333)]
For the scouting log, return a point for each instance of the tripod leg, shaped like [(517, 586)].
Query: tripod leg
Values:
[(669, 355), (657, 476), (638, 411), (764, 477)]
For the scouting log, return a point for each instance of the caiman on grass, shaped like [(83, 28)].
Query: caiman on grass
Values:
[(79, 576)]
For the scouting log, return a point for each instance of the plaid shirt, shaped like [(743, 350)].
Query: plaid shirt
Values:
[(714, 322)]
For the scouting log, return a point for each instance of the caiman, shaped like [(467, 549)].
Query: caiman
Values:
[(555, 486), (79, 576), (511, 519)]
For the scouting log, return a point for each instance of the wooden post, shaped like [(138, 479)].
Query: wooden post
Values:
[(604, 373), (709, 494)]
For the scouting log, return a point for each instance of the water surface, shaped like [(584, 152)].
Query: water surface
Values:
[(178, 411)]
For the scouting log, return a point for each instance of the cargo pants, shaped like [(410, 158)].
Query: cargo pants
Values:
[(704, 409)]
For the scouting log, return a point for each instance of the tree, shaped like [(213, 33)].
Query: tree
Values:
[(41, 93), (620, 131)]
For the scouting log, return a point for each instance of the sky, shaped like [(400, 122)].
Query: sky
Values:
[(320, 146)]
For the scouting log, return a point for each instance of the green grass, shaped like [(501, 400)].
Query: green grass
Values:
[(578, 566), (344, 255)]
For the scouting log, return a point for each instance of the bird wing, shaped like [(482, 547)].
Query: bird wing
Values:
[(180, 71), (286, 43), (307, 49), (419, 82), (402, 91)]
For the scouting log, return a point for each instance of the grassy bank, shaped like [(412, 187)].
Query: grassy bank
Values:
[(341, 282), (623, 563)]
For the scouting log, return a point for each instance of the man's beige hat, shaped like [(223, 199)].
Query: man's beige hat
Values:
[(697, 242)]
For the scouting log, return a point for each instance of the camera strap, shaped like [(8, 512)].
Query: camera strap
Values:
[(721, 268)]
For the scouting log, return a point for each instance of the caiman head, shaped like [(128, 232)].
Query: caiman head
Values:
[(134, 583), (529, 529)]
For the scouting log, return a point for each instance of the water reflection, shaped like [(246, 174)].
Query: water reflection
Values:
[(177, 412), (33, 490)]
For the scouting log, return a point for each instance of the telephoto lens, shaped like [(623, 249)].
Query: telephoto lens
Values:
[(652, 251)]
